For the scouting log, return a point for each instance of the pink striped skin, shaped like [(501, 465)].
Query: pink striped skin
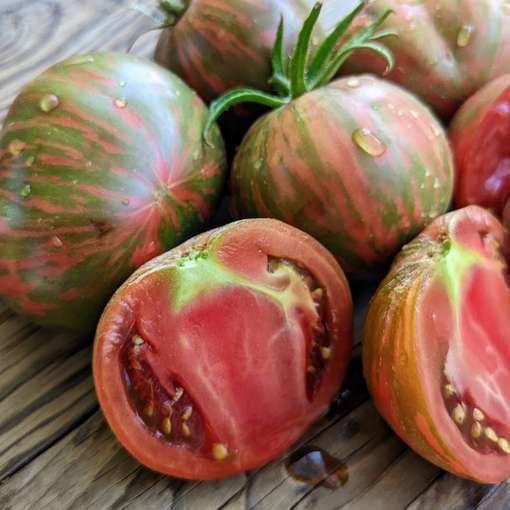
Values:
[(220, 44), (434, 59), (300, 164), (114, 175)]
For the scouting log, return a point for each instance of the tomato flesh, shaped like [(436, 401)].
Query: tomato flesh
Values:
[(203, 370)]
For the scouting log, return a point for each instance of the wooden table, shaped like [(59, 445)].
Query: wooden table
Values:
[(56, 451)]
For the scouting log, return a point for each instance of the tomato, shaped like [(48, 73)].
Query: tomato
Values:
[(436, 353), (480, 135), (216, 356)]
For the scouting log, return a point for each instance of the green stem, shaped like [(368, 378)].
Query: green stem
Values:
[(237, 96), (299, 57)]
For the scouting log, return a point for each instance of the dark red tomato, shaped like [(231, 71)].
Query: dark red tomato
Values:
[(480, 134), (216, 356), (436, 354)]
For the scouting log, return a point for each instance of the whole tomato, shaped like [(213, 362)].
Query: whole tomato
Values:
[(436, 355), (215, 45), (445, 50), (102, 167), (480, 136), (359, 163), (216, 356)]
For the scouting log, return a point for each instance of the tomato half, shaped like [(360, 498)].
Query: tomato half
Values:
[(436, 353), (480, 134), (216, 356)]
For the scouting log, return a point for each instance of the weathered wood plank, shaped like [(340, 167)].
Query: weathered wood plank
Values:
[(37, 34), (448, 492)]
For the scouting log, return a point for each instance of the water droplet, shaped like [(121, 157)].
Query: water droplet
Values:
[(436, 183), (122, 83), (26, 190), (464, 35), (353, 83), (312, 465), (125, 201), (57, 242), (88, 164), (78, 60), (196, 155), (178, 93), (257, 164), (120, 102), (16, 147), (75, 181), (427, 173), (30, 161), (436, 131), (48, 102), (414, 114), (367, 141)]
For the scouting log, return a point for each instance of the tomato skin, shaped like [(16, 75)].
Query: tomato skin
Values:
[(445, 277), (480, 136), (445, 50), (203, 311)]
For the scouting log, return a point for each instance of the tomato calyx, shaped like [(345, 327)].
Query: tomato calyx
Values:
[(303, 72)]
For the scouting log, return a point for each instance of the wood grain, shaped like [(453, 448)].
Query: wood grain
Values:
[(56, 451)]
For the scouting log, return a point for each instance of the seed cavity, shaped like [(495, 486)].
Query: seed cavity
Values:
[(367, 141), (220, 451), (48, 102), (315, 307)]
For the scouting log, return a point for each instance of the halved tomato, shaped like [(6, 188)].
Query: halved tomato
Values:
[(436, 349), (216, 356), (480, 134)]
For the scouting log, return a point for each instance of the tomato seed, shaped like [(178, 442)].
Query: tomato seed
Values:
[(220, 451)]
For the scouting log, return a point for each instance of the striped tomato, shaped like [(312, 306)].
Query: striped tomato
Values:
[(445, 50), (436, 355), (480, 135), (102, 167), (358, 163), (217, 356), (216, 45)]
